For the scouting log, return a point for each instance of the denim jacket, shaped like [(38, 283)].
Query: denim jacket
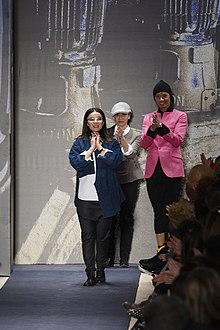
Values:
[(107, 185)]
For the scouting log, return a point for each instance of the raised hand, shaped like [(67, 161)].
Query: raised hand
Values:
[(205, 161), (93, 142), (119, 134), (96, 141), (155, 122)]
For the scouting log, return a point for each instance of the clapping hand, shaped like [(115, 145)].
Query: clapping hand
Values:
[(155, 122), (119, 134)]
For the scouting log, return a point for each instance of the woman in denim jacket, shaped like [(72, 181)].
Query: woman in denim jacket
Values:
[(95, 155)]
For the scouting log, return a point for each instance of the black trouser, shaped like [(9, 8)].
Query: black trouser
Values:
[(126, 222), (162, 191), (95, 232)]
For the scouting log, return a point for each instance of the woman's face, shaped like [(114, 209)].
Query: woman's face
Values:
[(121, 119), (95, 121), (162, 100)]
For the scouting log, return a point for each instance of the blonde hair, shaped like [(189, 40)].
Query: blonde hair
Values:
[(180, 211)]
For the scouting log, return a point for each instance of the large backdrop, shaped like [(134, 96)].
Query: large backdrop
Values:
[(70, 55)]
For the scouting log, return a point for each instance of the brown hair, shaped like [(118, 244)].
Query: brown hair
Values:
[(200, 289), (197, 173)]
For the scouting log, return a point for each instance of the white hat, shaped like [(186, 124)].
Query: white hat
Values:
[(120, 107)]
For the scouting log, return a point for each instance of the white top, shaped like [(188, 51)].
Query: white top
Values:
[(87, 190)]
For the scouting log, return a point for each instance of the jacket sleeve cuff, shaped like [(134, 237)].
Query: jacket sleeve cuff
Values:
[(163, 130), (151, 133), (129, 152)]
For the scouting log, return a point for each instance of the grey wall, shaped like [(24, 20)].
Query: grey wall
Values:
[(6, 146), (70, 55)]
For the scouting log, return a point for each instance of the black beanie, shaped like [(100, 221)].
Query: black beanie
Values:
[(162, 86)]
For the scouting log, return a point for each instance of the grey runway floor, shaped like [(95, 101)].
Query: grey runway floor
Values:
[(47, 297)]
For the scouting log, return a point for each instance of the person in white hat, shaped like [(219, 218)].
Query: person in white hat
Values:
[(130, 174)]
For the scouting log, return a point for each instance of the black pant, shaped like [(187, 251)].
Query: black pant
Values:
[(162, 191), (95, 232), (126, 222)]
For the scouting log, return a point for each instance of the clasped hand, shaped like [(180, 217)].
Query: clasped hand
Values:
[(155, 122), (95, 141)]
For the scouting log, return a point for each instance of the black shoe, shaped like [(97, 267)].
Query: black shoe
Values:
[(124, 264), (109, 263), (161, 250), (152, 266), (100, 275), (90, 281), (155, 264)]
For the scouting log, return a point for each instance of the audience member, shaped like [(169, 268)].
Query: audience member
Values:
[(180, 214), (199, 288), (190, 240), (213, 199), (191, 268), (166, 313), (201, 182), (212, 248), (212, 225), (195, 174)]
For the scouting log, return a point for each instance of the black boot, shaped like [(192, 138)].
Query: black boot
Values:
[(109, 262), (91, 280), (100, 275)]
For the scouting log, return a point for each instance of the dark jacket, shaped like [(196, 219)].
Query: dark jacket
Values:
[(107, 185)]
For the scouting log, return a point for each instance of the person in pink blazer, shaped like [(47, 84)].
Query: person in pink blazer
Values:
[(163, 132)]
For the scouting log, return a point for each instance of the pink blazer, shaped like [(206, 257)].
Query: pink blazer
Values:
[(166, 147)]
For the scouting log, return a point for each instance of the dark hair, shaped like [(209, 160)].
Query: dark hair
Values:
[(212, 248), (203, 260), (190, 232), (131, 117), (200, 289), (86, 132), (166, 312), (212, 225)]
